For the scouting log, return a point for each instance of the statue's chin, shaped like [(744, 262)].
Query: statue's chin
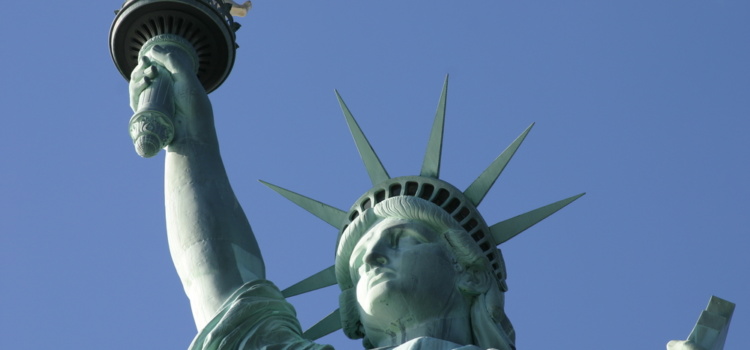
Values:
[(381, 300)]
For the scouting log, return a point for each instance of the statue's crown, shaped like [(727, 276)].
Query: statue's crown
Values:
[(460, 205)]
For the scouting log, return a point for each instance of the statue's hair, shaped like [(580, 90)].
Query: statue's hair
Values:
[(490, 326)]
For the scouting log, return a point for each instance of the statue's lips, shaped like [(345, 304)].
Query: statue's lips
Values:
[(379, 275)]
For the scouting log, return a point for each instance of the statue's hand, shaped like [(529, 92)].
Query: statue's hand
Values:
[(140, 79), (173, 58), (193, 117)]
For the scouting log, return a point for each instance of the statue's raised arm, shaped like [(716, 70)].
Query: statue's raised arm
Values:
[(212, 245)]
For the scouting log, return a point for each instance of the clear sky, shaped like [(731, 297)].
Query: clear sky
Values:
[(644, 105)]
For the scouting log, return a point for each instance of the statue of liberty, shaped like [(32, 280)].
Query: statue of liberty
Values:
[(415, 261), (417, 265)]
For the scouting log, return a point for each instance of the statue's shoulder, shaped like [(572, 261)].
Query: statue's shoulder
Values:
[(256, 316), (428, 343)]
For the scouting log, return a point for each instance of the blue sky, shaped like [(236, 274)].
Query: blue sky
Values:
[(642, 104)]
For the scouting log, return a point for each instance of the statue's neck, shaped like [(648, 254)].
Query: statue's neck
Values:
[(453, 329)]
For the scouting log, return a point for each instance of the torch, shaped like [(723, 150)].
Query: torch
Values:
[(204, 29)]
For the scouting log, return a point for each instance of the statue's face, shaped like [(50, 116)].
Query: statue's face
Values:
[(404, 271)]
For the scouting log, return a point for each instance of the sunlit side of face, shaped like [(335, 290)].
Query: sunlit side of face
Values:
[(404, 273)]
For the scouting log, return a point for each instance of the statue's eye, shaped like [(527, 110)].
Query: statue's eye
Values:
[(395, 237), (406, 239)]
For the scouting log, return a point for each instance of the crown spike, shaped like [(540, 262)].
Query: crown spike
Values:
[(479, 188), (322, 279), (431, 163), (334, 217), (374, 167), (327, 325), (505, 230)]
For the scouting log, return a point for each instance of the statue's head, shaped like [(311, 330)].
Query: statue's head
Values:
[(407, 260), (414, 251)]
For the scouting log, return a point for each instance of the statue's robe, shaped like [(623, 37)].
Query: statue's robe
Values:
[(258, 317)]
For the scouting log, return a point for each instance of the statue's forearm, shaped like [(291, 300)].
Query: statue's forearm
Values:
[(212, 245)]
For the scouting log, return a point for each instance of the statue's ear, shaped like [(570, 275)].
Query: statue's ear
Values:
[(474, 281)]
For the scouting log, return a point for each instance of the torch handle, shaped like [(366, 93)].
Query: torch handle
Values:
[(151, 126)]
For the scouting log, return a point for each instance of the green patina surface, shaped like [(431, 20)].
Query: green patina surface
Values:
[(404, 229)]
